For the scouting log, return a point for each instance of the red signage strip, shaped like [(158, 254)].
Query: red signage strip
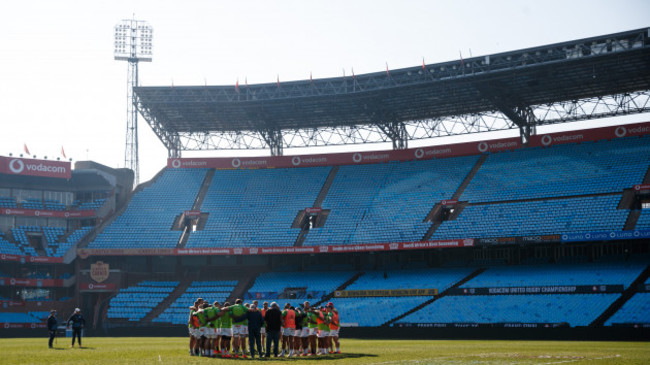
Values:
[(85, 252), (640, 187), (448, 202), (11, 303), (33, 167), (31, 282), (423, 153), (22, 325), (587, 135), (95, 286), (34, 259), (356, 158), (313, 210), (47, 213), (192, 213)]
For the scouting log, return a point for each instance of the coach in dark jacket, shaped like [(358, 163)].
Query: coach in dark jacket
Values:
[(78, 322), (51, 326), (255, 323), (273, 319)]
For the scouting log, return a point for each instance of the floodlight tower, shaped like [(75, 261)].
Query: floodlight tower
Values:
[(133, 43)]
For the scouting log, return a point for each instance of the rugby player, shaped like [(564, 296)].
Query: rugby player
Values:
[(201, 336), (335, 326), (212, 314), (322, 321), (298, 333), (192, 326), (311, 324), (289, 325), (226, 330), (237, 312), (265, 307)]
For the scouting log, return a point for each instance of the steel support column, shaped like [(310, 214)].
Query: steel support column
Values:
[(273, 139), (397, 133)]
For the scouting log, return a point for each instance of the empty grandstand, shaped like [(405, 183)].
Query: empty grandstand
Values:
[(536, 231)]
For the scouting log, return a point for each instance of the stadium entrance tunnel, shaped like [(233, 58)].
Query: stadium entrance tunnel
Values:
[(310, 218), (189, 221)]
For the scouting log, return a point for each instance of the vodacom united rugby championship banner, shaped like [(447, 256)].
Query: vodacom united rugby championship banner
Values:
[(33, 167), (423, 153)]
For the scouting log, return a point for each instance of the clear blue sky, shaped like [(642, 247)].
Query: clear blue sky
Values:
[(59, 84)]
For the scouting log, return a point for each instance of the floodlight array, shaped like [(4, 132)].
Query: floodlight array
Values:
[(133, 41)]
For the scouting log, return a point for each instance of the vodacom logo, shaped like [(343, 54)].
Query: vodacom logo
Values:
[(16, 166), (419, 153), (620, 132), (482, 147), (356, 157), (236, 162), (176, 164), (296, 160), (546, 140)]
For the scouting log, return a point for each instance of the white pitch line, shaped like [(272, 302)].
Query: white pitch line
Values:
[(584, 359)]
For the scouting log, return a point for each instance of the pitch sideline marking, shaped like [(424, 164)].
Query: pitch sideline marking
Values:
[(446, 360)]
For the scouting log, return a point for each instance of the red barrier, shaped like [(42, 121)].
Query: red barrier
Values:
[(356, 158), (33, 167), (22, 325), (86, 252), (31, 282), (95, 286), (36, 259), (47, 213), (588, 135), (423, 153), (11, 303)]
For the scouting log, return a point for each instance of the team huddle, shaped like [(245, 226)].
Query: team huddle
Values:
[(221, 330)]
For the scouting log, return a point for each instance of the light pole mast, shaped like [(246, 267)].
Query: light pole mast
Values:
[(133, 43)]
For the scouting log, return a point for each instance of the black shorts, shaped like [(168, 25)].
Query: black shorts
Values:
[(227, 338)]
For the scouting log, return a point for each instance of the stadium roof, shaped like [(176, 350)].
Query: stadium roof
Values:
[(541, 85)]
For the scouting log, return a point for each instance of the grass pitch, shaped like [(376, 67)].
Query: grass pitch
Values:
[(174, 350)]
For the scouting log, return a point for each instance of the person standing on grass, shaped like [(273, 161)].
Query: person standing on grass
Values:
[(265, 307), (51, 326), (289, 329), (78, 322), (255, 322), (334, 328), (273, 320)]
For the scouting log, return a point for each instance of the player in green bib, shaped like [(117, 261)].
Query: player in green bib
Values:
[(226, 330), (237, 312), (203, 322), (212, 316), (312, 316)]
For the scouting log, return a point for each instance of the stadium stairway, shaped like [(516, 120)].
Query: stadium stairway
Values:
[(646, 178), (171, 298), (469, 177), (242, 287), (203, 191), (469, 277), (317, 204), (326, 187), (618, 303), (198, 202), (632, 218), (435, 211), (341, 287)]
